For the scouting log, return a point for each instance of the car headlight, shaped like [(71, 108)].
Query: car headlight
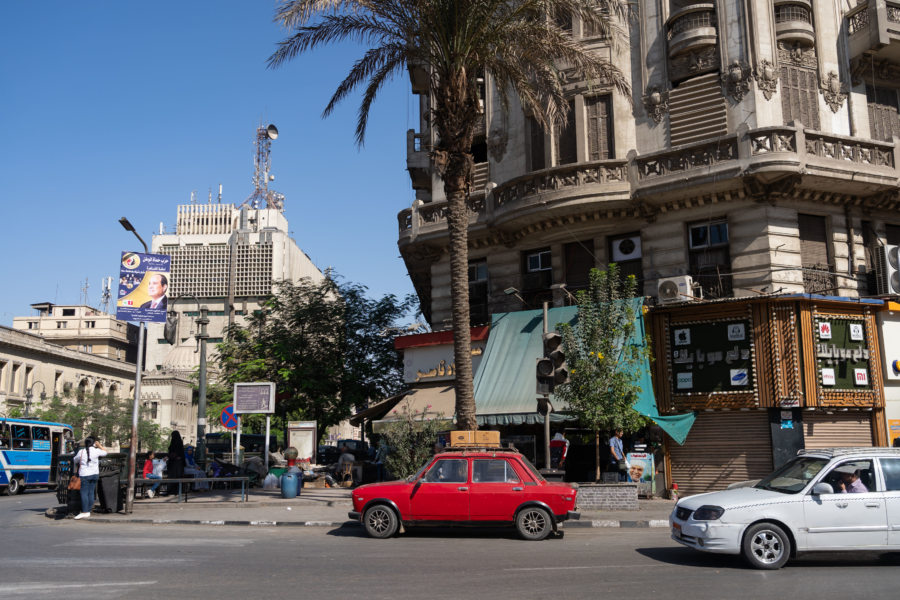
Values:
[(708, 513)]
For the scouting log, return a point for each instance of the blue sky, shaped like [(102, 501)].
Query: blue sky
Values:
[(111, 109)]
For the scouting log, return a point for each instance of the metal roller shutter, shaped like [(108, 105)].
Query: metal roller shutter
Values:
[(821, 430), (722, 448)]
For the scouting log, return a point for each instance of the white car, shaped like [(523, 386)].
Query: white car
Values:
[(801, 507)]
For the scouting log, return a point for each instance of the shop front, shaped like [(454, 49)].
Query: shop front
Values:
[(766, 377)]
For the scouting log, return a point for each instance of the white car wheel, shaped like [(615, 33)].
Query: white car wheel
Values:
[(766, 546)]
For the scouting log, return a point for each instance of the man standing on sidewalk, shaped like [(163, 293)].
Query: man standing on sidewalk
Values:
[(617, 454)]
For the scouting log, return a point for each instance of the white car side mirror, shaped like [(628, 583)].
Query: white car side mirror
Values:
[(822, 488)]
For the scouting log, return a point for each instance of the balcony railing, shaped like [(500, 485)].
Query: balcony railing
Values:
[(873, 153), (863, 163), (819, 279), (686, 158)]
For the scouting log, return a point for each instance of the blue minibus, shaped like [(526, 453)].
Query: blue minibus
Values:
[(29, 453)]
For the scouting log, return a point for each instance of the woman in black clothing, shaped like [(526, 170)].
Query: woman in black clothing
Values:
[(175, 461)]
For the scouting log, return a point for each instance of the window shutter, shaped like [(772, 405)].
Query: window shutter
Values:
[(697, 110), (536, 136), (598, 128), (813, 241), (566, 144), (799, 96)]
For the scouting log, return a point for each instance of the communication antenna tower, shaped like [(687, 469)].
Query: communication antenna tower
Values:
[(84, 291), (262, 196), (106, 294)]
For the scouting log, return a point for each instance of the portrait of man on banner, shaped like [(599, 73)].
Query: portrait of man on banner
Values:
[(144, 281)]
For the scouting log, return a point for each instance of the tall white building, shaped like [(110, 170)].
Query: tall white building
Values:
[(227, 258)]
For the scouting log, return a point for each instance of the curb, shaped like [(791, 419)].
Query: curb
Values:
[(585, 524)]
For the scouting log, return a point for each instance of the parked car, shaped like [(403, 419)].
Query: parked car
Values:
[(474, 487), (327, 455), (835, 499)]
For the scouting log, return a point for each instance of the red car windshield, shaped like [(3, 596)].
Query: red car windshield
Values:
[(534, 472)]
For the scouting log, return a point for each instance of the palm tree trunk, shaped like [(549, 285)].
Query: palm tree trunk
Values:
[(458, 224)]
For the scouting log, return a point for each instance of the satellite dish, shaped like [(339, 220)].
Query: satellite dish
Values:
[(668, 290), (272, 132)]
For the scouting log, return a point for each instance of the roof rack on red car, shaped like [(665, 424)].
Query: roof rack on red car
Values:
[(479, 449)]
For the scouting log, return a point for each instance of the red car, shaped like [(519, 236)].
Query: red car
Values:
[(468, 487)]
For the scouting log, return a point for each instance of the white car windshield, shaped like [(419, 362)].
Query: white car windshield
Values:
[(794, 476)]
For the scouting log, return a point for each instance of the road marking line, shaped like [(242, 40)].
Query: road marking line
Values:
[(43, 585)]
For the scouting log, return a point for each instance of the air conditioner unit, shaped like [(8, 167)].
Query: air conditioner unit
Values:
[(887, 269), (628, 248), (675, 289)]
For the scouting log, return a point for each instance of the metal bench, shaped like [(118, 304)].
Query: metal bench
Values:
[(183, 489)]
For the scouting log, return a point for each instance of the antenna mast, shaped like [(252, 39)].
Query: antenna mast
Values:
[(84, 291), (262, 196), (106, 294)]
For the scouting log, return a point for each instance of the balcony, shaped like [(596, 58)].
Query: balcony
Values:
[(793, 23), (418, 163), (874, 28), (865, 166), (523, 201), (762, 163), (692, 28)]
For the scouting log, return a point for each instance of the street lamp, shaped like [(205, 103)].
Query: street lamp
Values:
[(202, 336), (135, 411), (29, 394)]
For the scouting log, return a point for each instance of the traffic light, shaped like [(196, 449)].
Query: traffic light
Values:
[(551, 370)]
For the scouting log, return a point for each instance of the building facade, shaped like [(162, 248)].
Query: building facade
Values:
[(81, 327), (31, 365), (757, 155)]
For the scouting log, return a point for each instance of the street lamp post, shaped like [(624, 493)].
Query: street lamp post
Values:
[(202, 336), (29, 394), (135, 411)]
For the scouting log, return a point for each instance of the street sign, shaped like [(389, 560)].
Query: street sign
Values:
[(254, 398), (229, 421)]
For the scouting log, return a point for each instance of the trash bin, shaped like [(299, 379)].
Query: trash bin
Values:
[(290, 484), (111, 494)]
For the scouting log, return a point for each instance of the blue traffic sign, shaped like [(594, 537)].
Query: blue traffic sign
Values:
[(229, 421)]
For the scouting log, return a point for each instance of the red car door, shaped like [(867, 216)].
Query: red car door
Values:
[(442, 494), (496, 490)]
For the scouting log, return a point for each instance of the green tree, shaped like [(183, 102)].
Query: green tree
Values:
[(410, 442), (327, 346), (603, 364), (105, 417), (455, 43)]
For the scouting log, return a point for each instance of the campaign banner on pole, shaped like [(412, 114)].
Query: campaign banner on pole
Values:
[(143, 287)]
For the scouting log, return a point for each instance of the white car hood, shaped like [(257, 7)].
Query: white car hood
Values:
[(735, 498)]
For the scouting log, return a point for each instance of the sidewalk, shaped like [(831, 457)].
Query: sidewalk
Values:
[(314, 507)]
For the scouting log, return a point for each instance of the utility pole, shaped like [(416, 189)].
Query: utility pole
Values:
[(136, 408), (202, 336)]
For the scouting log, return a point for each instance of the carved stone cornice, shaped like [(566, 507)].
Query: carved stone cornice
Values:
[(834, 90), (766, 76), (866, 69), (693, 63), (736, 80), (656, 103), (797, 55)]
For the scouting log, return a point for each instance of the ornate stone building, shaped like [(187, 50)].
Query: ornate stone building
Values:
[(757, 155)]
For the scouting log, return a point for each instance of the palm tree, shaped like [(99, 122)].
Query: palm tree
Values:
[(517, 43)]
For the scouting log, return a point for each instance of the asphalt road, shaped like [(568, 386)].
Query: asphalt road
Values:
[(42, 558)]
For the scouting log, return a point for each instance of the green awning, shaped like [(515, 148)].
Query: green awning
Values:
[(677, 426), (505, 381)]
